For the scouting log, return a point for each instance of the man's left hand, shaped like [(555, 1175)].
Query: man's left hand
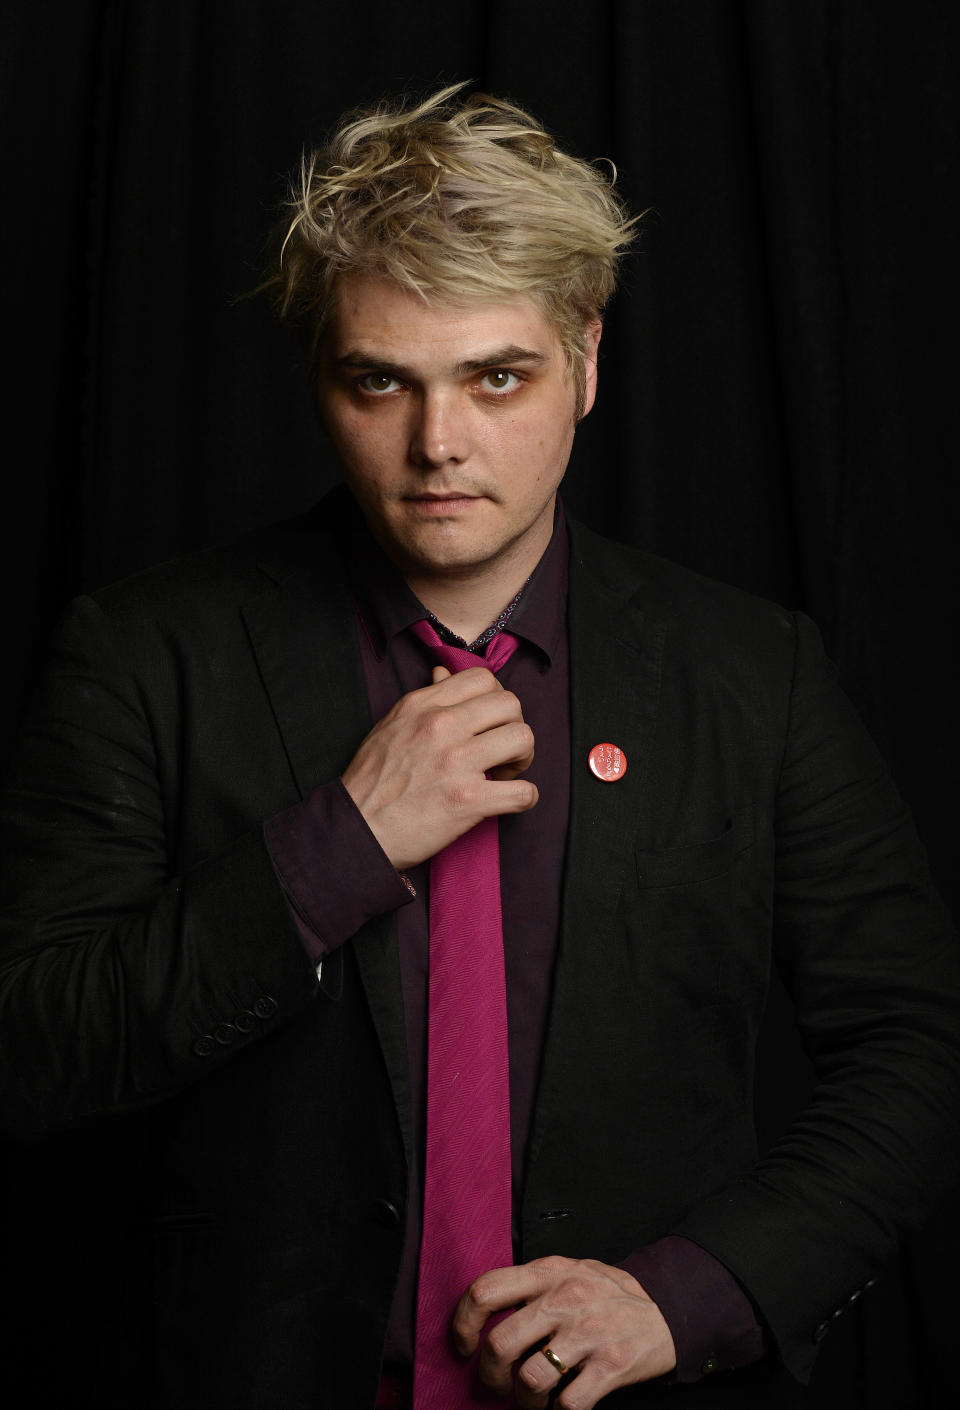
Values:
[(597, 1320)]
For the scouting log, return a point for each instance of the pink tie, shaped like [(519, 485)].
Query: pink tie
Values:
[(466, 1202)]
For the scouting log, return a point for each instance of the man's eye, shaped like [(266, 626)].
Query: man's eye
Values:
[(378, 382), (500, 380)]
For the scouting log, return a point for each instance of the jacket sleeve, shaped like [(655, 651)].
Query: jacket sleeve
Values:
[(120, 979), (869, 957)]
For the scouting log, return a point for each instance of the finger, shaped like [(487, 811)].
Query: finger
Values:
[(505, 772), (482, 732), (505, 744), (587, 1388), (448, 689), (516, 795), (537, 1381), (462, 720), (538, 1375), (529, 1399), (496, 1291), (514, 1344)]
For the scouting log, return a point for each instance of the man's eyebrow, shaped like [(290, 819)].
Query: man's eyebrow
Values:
[(360, 358), (500, 357)]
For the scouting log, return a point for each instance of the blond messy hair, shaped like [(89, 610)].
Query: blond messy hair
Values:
[(463, 201)]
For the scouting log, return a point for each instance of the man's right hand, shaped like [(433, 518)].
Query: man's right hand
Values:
[(419, 777)]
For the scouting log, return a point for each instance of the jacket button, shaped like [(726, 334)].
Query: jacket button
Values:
[(204, 1046), (386, 1213), (244, 1021), (224, 1033), (265, 1007), (821, 1332), (711, 1364)]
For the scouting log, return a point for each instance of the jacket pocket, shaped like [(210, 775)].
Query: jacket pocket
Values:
[(698, 861), (698, 921)]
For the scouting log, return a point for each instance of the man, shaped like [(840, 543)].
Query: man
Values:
[(227, 828)]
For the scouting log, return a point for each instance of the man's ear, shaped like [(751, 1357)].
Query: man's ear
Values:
[(591, 342)]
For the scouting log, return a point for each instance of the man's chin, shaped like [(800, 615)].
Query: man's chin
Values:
[(443, 547), (452, 562), (460, 546)]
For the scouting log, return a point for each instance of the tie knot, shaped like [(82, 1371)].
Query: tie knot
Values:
[(456, 658)]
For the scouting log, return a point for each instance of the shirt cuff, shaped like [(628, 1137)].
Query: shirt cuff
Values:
[(333, 871), (711, 1319)]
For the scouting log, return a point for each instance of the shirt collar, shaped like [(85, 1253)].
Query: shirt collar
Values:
[(388, 607)]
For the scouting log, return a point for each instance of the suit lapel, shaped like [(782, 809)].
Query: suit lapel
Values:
[(305, 641), (616, 656), (303, 633)]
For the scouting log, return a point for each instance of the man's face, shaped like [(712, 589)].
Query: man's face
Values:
[(453, 425)]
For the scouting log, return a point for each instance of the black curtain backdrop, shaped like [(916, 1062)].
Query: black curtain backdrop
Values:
[(775, 405)]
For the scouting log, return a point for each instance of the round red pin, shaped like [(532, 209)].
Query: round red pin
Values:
[(607, 762)]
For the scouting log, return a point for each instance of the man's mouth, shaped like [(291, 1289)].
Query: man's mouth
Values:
[(446, 503)]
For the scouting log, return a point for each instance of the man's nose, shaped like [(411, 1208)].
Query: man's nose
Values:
[(440, 431)]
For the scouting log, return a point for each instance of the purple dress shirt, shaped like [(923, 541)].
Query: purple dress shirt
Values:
[(336, 877)]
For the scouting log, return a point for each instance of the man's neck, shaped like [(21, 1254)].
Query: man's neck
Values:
[(468, 600), (466, 608)]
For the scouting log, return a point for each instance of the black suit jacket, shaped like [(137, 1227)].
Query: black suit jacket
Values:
[(251, 1125)]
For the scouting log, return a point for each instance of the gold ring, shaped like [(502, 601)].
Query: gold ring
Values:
[(554, 1360)]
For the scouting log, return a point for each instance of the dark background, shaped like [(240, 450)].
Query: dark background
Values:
[(776, 393)]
